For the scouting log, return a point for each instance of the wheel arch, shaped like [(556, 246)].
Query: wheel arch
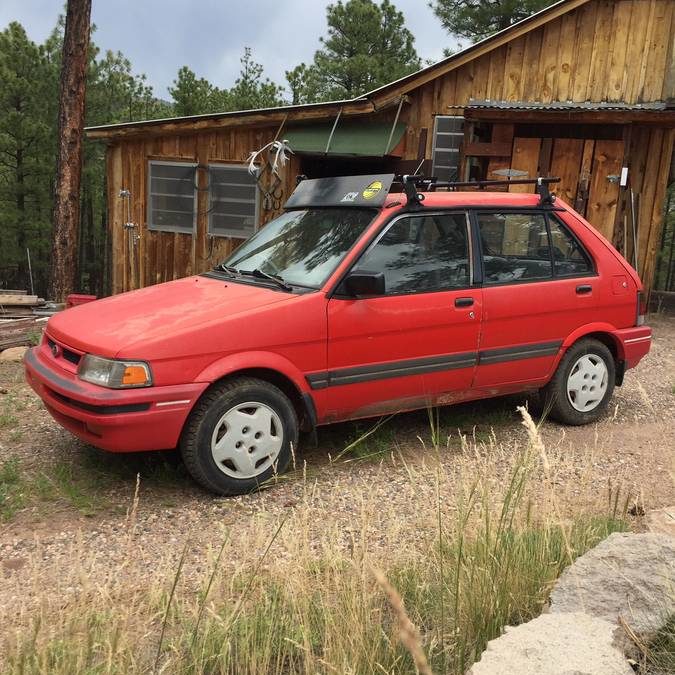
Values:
[(603, 333), (270, 368)]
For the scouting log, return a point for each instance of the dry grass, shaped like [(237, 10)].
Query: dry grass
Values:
[(468, 556)]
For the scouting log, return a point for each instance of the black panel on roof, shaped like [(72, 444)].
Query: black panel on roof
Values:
[(343, 191)]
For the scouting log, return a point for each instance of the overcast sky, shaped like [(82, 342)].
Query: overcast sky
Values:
[(160, 36)]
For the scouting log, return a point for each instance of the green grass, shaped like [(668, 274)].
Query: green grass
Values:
[(332, 617), (11, 495), (659, 654), (492, 564)]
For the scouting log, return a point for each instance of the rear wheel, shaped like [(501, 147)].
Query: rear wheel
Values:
[(583, 383), (239, 435)]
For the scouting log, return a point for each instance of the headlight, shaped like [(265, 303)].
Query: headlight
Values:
[(114, 374)]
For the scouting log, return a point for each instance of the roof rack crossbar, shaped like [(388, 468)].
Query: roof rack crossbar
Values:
[(413, 184)]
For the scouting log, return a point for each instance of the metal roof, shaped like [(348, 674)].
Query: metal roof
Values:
[(654, 106)]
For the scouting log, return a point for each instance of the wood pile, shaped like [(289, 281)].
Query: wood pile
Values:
[(15, 304), (22, 318)]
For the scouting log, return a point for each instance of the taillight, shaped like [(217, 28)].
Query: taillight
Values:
[(641, 309)]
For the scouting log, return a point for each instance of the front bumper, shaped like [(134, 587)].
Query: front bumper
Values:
[(634, 343), (127, 420)]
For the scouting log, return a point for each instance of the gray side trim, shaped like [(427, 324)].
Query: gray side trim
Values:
[(383, 371), (518, 353)]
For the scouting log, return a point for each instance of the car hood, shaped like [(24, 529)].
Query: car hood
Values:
[(110, 325)]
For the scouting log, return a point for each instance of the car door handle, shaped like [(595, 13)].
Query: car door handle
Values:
[(584, 288), (463, 302)]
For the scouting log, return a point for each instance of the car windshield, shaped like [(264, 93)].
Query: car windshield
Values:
[(302, 248)]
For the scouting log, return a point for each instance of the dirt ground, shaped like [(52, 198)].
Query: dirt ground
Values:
[(67, 509)]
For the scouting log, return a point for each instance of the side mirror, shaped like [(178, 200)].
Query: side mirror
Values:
[(363, 284)]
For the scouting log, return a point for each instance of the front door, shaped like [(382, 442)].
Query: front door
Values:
[(538, 287), (416, 343)]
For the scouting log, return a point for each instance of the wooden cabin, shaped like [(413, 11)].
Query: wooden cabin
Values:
[(583, 90)]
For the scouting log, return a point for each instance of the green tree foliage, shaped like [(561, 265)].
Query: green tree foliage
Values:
[(477, 19), (191, 95), (367, 45), (27, 122), (29, 76), (194, 96), (251, 90)]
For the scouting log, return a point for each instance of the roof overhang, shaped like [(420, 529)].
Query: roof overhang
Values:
[(213, 121), (589, 112)]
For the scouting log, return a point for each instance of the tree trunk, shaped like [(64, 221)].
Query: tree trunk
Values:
[(66, 215)]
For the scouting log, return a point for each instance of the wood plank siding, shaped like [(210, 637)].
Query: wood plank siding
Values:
[(142, 257), (579, 51)]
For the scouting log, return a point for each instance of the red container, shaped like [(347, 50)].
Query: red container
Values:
[(75, 299)]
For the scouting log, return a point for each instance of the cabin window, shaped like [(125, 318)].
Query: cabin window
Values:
[(172, 196), (233, 201), (448, 137)]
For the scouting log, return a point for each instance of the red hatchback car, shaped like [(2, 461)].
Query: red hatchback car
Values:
[(356, 301)]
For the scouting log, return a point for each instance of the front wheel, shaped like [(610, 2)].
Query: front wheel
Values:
[(582, 385), (239, 435)]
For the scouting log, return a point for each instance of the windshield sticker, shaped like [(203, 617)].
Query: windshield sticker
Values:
[(350, 197), (372, 189)]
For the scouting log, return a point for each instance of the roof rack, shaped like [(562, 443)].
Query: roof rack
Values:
[(413, 185)]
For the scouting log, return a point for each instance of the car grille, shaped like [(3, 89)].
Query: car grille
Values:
[(65, 353)]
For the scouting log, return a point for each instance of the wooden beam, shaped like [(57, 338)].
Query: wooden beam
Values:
[(191, 125), (664, 118), (488, 149)]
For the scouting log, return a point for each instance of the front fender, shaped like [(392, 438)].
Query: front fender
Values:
[(248, 360)]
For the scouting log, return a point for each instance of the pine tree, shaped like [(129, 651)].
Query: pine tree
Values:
[(25, 167), (72, 89), (367, 46), (251, 90), (477, 19)]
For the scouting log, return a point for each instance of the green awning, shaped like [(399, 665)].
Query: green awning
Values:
[(355, 139)]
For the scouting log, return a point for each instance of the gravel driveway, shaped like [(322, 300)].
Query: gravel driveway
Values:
[(70, 518)]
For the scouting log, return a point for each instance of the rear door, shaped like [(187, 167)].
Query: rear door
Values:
[(419, 340), (539, 284)]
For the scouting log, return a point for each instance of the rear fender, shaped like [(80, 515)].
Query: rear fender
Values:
[(607, 329)]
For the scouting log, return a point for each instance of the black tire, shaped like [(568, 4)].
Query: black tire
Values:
[(199, 430), (555, 395)]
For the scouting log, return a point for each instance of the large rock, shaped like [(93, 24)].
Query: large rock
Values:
[(555, 644), (631, 576), (661, 520), (13, 354)]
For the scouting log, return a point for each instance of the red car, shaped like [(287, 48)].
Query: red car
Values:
[(357, 301)]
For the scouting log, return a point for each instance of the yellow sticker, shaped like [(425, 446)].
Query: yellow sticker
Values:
[(372, 189)]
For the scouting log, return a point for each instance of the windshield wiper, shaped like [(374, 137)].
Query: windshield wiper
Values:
[(224, 268), (258, 273)]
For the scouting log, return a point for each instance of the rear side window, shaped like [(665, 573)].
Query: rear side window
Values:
[(515, 247), (569, 258), (421, 254)]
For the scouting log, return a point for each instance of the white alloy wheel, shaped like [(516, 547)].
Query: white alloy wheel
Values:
[(587, 383), (247, 440)]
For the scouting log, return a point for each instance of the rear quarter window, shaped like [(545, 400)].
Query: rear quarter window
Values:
[(515, 247), (570, 259)]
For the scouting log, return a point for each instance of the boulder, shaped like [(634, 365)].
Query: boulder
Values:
[(661, 520), (555, 644), (13, 354), (628, 576)]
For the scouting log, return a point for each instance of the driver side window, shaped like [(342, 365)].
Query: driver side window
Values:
[(421, 254)]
